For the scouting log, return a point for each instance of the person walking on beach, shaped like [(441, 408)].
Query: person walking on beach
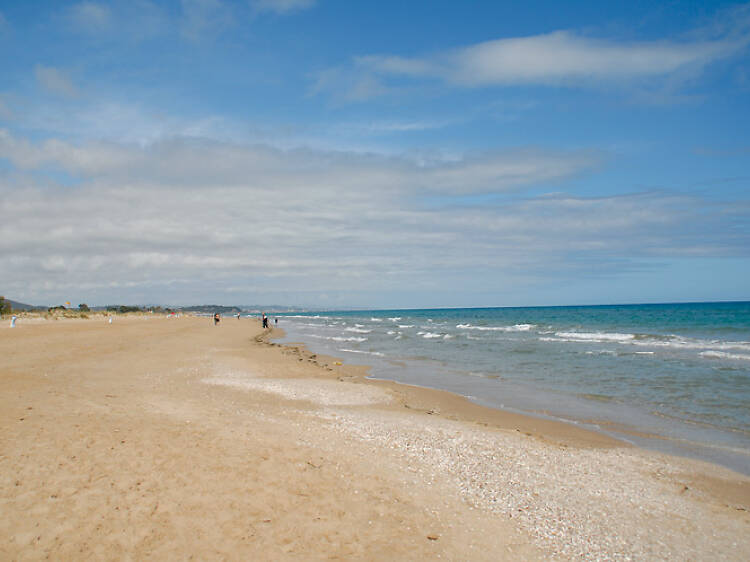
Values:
[(216, 318), (265, 321)]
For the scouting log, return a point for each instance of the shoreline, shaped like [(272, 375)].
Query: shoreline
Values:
[(452, 406), (642, 426), (118, 440)]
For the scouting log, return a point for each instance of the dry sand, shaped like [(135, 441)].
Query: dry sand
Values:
[(170, 438)]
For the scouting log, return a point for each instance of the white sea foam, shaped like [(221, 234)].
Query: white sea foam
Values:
[(306, 316), (724, 355), (395, 319), (337, 338), (376, 319), (700, 344), (406, 325), (377, 353), (595, 336), (431, 335), (390, 332), (357, 330), (514, 328), (712, 349)]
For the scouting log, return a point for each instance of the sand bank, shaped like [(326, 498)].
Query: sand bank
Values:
[(169, 437)]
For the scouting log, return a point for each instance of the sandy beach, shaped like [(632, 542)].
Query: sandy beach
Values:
[(171, 438)]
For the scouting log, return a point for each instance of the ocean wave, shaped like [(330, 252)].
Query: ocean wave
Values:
[(514, 328), (306, 316), (704, 344), (713, 348), (406, 325), (395, 319), (337, 338), (377, 353), (430, 335), (357, 330), (724, 355), (599, 337), (373, 319)]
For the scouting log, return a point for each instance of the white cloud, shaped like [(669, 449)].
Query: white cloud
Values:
[(348, 86), (282, 6), (5, 111), (190, 161), (91, 17), (119, 20), (556, 58), (559, 58), (204, 19), (55, 81), (180, 219), (380, 127)]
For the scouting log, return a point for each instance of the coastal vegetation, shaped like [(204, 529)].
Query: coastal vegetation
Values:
[(83, 310)]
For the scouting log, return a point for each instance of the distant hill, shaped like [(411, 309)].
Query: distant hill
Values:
[(211, 308), (15, 305), (278, 308), (200, 309), (257, 308)]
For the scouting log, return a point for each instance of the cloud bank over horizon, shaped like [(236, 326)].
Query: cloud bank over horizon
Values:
[(184, 211)]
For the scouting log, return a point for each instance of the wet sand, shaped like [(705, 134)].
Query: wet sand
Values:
[(171, 438)]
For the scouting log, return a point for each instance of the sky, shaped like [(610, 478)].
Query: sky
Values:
[(332, 154)]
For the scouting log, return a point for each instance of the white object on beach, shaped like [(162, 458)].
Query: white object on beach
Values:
[(13, 321), (110, 319)]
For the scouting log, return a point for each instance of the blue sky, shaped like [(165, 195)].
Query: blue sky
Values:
[(374, 154)]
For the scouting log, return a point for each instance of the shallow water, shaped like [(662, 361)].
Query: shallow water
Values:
[(678, 371)]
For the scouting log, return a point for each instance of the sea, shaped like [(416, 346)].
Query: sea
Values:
[(669, 377)]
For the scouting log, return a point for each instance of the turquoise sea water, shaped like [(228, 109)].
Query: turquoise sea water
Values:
[(677, 372)]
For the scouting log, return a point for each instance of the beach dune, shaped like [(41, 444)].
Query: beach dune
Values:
[(174, 438)]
